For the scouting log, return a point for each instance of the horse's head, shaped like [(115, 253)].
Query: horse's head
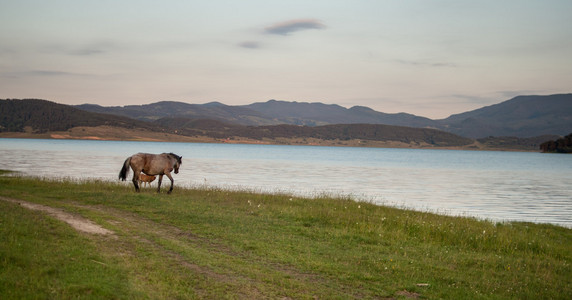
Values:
[(179, 161)]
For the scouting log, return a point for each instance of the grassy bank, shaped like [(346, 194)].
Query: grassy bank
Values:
[(208, 243)]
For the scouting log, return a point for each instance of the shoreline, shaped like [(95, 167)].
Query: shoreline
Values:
[(108, 133), (189, 188)]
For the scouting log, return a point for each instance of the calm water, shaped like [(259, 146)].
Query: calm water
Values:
[(531, 187)]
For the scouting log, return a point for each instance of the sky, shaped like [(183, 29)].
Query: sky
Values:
[(428, 58)]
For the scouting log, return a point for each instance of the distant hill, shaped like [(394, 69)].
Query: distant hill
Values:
[(158, 110), (312, 114), (522, 116), (343, 132), (40, 116), (272, 112)]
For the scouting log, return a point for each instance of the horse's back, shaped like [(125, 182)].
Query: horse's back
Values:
[(142, 155), (138, 159), (149, 156), (151, 164)]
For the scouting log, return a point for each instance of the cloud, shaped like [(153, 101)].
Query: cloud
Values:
[(493, 97), (473, 99), (285, 28), (425, 64), (39, 73), (87, 51), (249, 45), (512, 94), (95, 48), (48, 73)]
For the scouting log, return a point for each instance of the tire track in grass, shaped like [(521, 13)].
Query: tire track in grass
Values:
[(173, 243), (77, 222)]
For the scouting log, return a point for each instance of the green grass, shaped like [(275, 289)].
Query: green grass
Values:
[(210, 243)]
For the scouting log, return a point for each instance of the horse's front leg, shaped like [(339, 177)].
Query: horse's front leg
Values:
[(172, 181), (159, 183)]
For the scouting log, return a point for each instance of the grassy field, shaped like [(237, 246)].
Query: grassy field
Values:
[(217, 244)]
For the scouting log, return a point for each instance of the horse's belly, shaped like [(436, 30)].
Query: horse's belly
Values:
[(152, 171)]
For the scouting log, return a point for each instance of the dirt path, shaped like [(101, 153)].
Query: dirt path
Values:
[(77, 222), (143, 243)]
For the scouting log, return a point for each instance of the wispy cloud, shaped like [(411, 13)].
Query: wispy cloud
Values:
[(425, 63), (493, 97), (40, 73), (95, 48), (87, 51), (512, 94), (473, 99), (288, 27), (49, 73), (250, 45)]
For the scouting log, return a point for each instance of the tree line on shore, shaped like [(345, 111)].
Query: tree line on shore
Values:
[(561, 145)]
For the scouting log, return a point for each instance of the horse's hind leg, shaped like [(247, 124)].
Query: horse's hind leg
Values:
[(159, 183), (136, 180)]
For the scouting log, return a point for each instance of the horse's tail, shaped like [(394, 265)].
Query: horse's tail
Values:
[(125, 169)]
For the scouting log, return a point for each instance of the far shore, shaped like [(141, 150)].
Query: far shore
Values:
[(109, 133)]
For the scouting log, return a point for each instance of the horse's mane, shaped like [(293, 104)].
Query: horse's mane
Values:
[(175, 156)]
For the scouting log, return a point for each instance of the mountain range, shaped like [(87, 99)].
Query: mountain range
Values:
[(522, 116), (46, 119)]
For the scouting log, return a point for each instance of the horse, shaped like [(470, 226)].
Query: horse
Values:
[(146, 179), (151, 164)]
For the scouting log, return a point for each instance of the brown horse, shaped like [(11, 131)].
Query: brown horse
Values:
[(146, 179), (151, 164)]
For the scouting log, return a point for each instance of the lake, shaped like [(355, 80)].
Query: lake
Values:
[(500, 186)]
